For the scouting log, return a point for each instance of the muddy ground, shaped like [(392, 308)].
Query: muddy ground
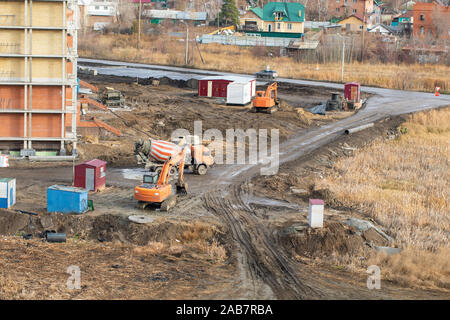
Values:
[(158, 111), (245, 240)]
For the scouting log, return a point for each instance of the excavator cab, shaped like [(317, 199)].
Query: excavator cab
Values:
[(151, 178)]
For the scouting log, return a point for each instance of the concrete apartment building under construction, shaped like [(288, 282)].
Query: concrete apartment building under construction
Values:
[(38, 77)]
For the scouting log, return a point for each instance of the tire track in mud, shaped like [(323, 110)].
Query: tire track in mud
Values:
[(262, 256)]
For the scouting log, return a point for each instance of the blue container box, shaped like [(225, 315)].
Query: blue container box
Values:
[(7, 193), (67, 199)]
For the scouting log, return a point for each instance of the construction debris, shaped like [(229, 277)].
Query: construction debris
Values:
[(359, 128), (112, 98), (335, 103), (53, 236), (363, 225), (140, 219), (319, 109), (388, 250)]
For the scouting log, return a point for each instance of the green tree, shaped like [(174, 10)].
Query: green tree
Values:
[(229, 13)]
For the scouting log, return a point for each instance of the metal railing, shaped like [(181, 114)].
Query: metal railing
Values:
[(245, 40)]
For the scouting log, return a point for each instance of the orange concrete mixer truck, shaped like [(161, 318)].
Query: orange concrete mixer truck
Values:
[(153, 153)]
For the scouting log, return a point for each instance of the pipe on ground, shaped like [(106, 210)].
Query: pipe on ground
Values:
[(356, 129)]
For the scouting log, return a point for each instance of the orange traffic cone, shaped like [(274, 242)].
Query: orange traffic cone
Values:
[(437, 91)]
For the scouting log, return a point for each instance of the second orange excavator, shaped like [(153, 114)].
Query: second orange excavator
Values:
[(266, 101), (156, 189)]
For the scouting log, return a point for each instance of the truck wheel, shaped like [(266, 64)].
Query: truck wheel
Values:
[(158, 170), (173, 171), (201, 169)]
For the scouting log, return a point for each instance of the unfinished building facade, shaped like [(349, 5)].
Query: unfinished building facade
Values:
[(38, 77)]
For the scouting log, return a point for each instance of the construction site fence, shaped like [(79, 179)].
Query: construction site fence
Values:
[(245, 40)]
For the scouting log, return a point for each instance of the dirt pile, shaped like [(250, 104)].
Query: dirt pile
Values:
[(11, 222), (107, 228), (333, 238)]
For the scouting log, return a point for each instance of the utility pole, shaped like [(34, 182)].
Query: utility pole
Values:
[(139, 26), (343, 57), (187, 41), (362, 37)]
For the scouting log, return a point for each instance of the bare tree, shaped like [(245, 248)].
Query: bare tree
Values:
[(126, 13), (441, 23)]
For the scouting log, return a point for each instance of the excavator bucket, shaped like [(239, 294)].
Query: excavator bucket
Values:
[(182, 188)]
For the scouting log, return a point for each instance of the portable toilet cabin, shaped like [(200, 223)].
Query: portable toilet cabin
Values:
[(91, 175), (239, 93), (4, 161), (66, 199), (7, 192), (352, 91)]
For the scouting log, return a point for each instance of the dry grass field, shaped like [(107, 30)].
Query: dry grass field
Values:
[(35, 269), (403, 185), (170, 51)]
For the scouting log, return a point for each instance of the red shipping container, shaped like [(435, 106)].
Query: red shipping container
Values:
[(91, 175), (352, 91), (216, 86)]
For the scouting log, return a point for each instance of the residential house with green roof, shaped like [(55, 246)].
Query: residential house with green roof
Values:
[(276, 19)]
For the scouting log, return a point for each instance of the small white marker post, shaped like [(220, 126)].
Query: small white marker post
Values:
[(315, 217)]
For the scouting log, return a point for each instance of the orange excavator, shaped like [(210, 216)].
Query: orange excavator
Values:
[(156, 189), (266, 101)]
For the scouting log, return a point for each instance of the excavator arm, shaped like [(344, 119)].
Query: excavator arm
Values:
[(181, 185), (164, 175), (273, 87), (165, 171)]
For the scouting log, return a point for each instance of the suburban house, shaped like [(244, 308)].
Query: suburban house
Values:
[(404, 18), (403, 24), (374, 17), (387, 14), (276, 19), (345, 8), (97, 14), (381, 29), (155, 4), (353, 23), (157, 16), (432, 19), (408, 5)]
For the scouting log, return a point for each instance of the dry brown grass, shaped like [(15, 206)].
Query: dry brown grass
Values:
[(414, 266), (37, 270), (9, 288), (403, 185), (199, 237), (169, 51)]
